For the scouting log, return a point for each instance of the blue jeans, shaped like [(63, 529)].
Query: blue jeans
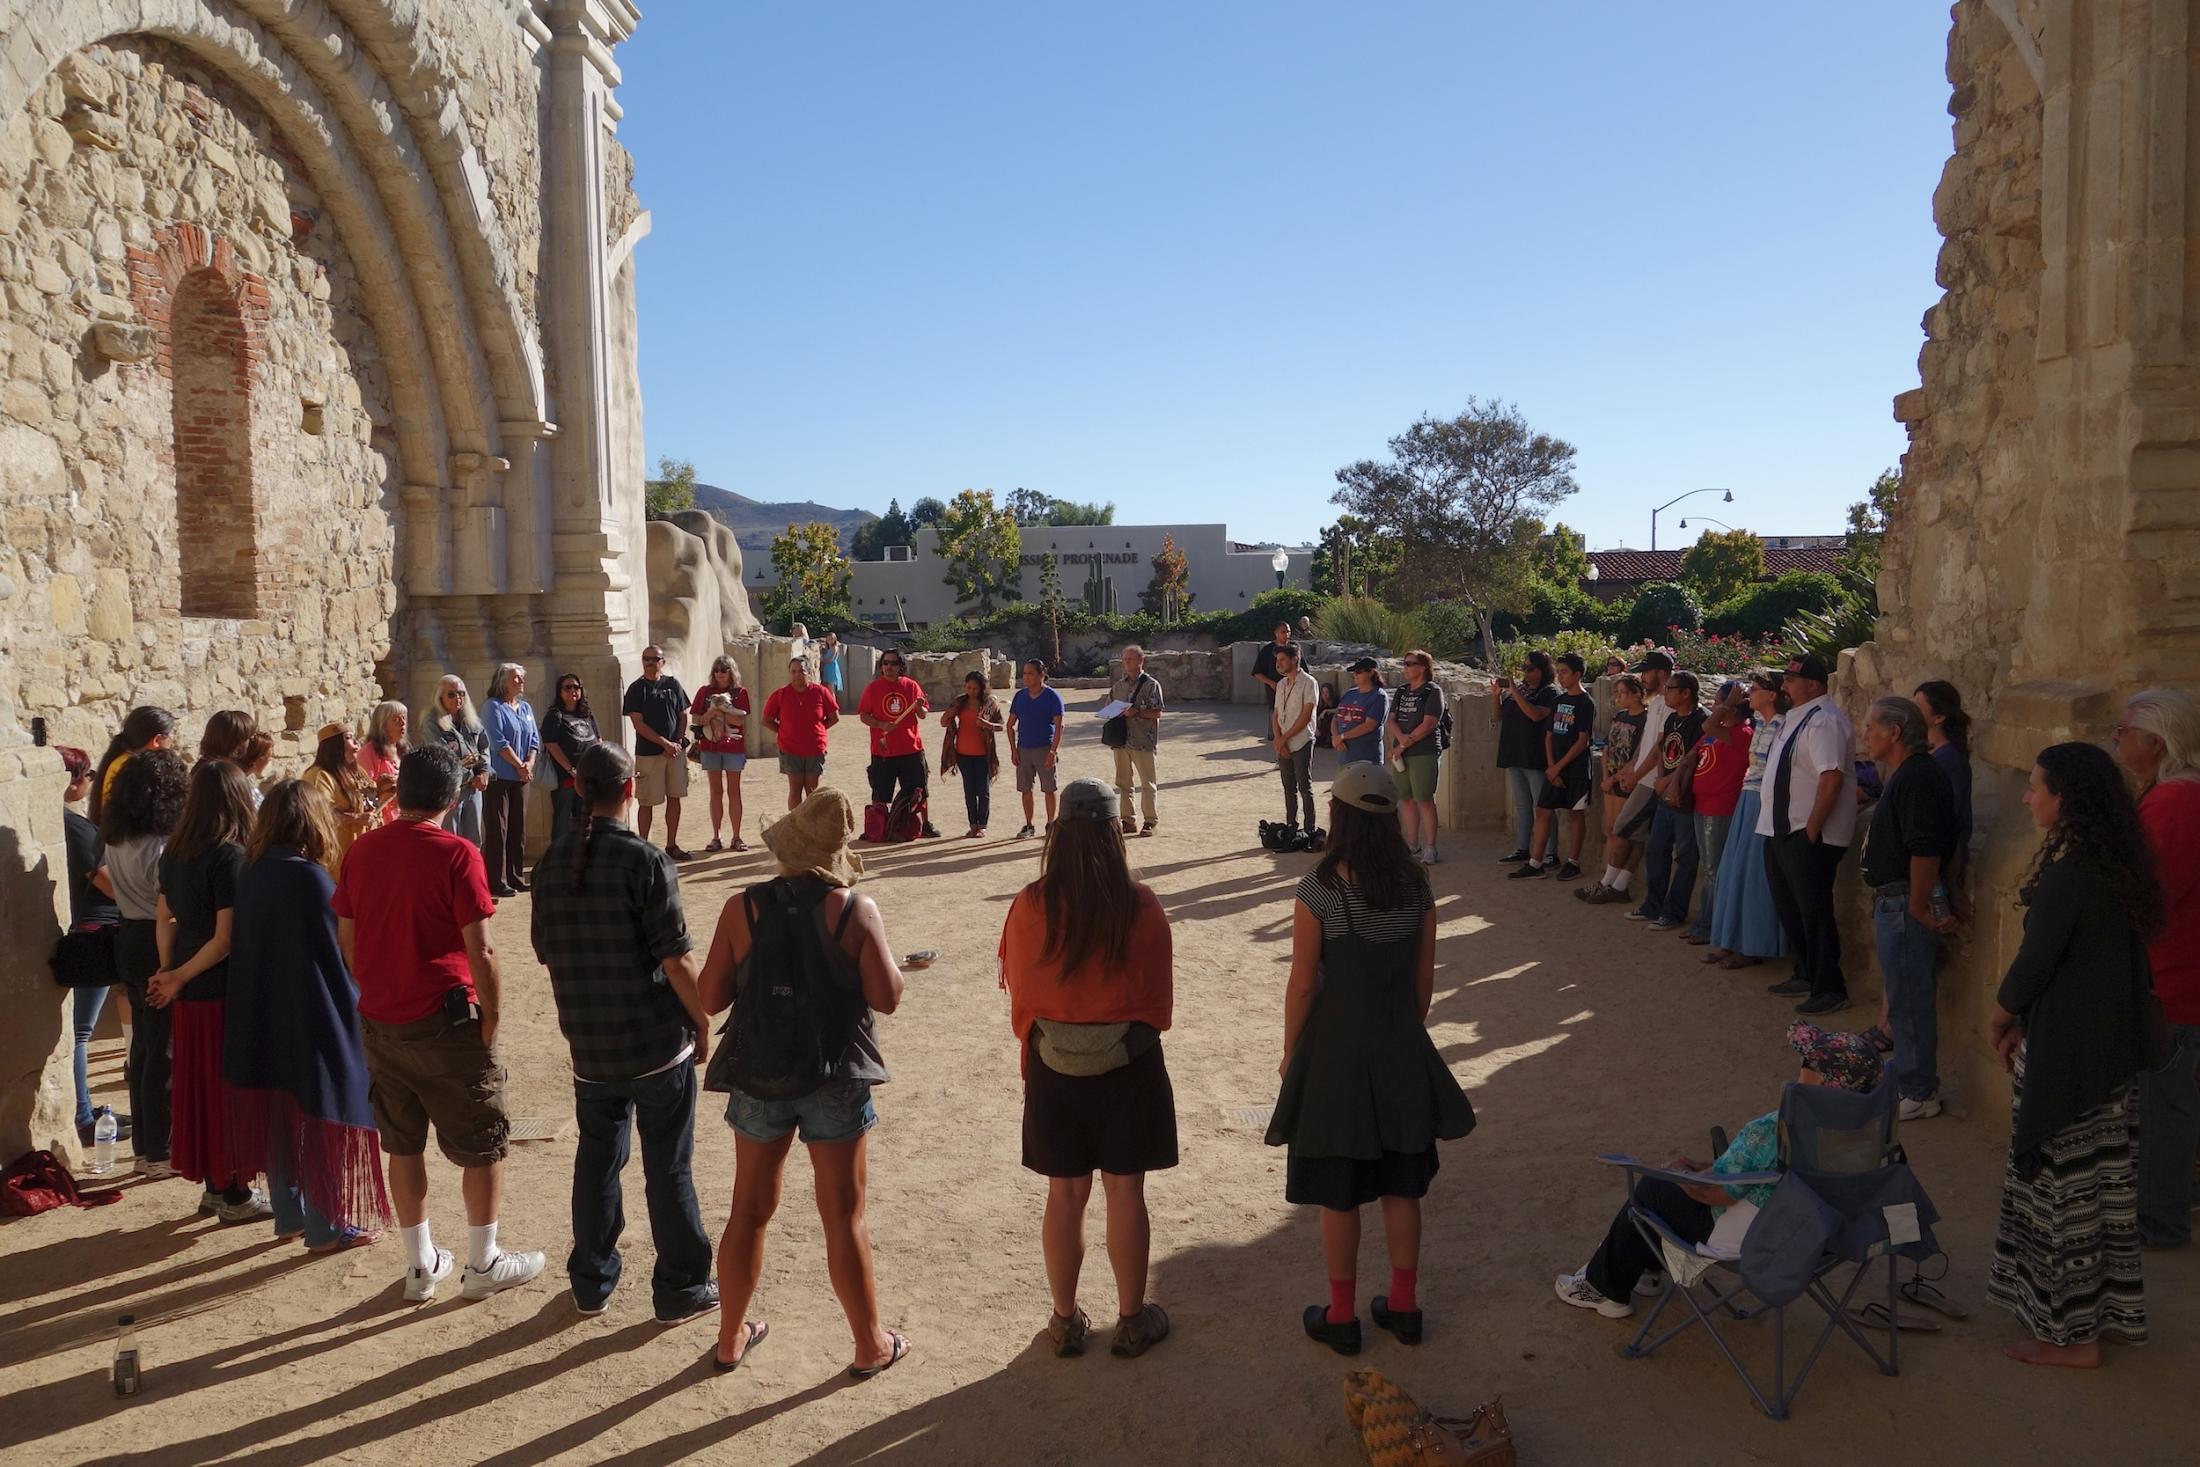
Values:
[(1669, 865), (1527, 788), (464, 818), (663, 1110), (1906, 953), (2169, 1128), (1711, 832), (295, 1215), (88, 1002)]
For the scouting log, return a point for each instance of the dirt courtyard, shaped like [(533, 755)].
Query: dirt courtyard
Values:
[(1576, 1032)]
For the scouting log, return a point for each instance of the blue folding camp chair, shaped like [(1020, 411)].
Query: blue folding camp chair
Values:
[(1844, 1195)]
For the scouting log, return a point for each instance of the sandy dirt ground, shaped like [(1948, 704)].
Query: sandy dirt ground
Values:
[(1575, 1031)]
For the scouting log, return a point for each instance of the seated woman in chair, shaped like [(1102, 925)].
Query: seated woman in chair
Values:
[(1608, 1283)]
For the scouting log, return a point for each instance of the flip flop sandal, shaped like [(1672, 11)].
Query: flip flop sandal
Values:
[(739, 845), (901, 1348), (1922, 1293), (757, 1330), (1874, 1316)]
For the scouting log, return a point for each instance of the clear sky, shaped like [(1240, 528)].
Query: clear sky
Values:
[(1193, 256)]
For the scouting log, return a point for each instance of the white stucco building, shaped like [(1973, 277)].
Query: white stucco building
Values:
[(1224, 574)]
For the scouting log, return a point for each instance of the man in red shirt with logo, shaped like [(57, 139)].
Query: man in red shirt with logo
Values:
[(893, 708), (798, 715), (411, 904)]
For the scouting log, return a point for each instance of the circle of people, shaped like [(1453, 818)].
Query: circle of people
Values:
[(314, 990)]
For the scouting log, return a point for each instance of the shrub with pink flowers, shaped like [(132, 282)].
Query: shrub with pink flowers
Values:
[(1708, 654)]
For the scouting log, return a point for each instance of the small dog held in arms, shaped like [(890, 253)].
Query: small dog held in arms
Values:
[(720, 718)]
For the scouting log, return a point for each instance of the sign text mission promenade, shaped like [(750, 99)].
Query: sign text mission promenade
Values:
[(1086, 557)]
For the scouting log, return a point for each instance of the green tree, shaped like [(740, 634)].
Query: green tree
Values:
[(1051, 604), (1562, 556), (1029, 506), (810, 567), (1462, 498), (673, 489), (1722, 564), (1351, 559), (981, 546), (891, 528), (1062, 512), (1172, 572), (1661, 607), (1767, 606), (1868, 527), (926, 512)]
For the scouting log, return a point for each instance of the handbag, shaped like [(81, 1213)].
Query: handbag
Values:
[(85, 957), (1396, 1432)]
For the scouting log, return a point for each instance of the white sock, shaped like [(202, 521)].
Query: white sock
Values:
[(419, 1248), (1611, 874), (481, 1246), (1618, 880)]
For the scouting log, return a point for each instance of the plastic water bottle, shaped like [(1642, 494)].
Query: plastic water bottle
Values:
[(104, 1131), (127, 1379)]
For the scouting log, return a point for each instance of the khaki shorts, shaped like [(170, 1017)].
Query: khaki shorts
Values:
[(660, 777), (1031, 764), (421, 1074)]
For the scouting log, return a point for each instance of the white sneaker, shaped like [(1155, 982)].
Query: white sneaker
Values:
[(508, 1270), (1919, 1110), (1575, 1289), (1652, 1282), (420, 1282), (254, 1207), (1428, 857)]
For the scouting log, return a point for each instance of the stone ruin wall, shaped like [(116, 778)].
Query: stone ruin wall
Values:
[(224, 542)]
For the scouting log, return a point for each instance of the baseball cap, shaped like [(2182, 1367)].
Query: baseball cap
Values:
[(1088, 799), (1366, 785), (1658, 661), (1360, 664), (1812, 666)]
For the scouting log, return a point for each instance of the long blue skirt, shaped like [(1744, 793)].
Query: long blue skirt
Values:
[(1743, 919)]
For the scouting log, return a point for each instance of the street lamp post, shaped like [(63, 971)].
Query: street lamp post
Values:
[(1280, 563), (1722, 524), (1727, 496)]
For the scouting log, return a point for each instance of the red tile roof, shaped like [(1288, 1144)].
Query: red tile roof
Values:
[(1665, 565)]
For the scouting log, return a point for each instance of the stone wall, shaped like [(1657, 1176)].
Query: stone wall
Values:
[(1188, 677), (697, 605)]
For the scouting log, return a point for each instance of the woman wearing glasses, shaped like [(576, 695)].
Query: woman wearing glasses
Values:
[(568, 731), (458, 728)]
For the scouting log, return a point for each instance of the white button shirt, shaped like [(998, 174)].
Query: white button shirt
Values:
[(1296, 694), (1823, 739)]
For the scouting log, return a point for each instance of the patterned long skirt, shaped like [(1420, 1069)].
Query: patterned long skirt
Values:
[(2066, 1253)]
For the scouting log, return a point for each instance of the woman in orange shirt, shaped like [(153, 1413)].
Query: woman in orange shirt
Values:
[(971, 748), (1085, 957)]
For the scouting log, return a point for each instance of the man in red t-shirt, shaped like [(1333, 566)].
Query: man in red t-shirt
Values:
[(411, 904), (893, 708), (798, 715)]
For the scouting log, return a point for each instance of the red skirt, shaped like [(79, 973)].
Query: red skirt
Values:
[(199, 1108)]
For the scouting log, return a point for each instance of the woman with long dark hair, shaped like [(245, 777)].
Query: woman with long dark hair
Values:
[(292, 1053), (226, 735), (91, 910), (971, 748), (2075, 1021), (568, 732), (142, 729), (141, 812), (336, 774), (1087, 962), (198, 898), (1948, 737), (1365, 1095)]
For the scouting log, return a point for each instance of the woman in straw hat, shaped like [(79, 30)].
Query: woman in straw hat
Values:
[(1365, 1095), (1085, 957), (814, 887)]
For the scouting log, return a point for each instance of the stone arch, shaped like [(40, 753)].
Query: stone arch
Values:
[(210, 352), (452, 394)]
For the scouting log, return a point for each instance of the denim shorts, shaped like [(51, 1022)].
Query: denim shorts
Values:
[(723, 763), (840, 1111)]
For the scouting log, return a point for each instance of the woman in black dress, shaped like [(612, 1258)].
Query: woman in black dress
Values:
[(1365, 1096)]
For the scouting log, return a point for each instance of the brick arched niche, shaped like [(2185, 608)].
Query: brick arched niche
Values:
[(211, 317)]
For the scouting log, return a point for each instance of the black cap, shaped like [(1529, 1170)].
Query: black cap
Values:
[(1361, 664), (1812, 666), (1655, 661)]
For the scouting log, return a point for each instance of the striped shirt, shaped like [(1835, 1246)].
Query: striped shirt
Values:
[(1376, 924)]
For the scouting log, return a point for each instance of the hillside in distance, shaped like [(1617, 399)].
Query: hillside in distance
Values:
[(755, 521)]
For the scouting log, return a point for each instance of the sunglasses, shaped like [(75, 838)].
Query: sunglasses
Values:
[(652, 661), (569, 687)]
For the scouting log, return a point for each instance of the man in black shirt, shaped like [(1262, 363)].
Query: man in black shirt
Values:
[(607, 925), (1669, 861), (1913, 832), (1565, 772), (657, 706), (1522, 712), (1264, 661)]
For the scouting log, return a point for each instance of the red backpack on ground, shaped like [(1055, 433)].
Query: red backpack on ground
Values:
[(874, 822), (37, 1182), (908, 817)]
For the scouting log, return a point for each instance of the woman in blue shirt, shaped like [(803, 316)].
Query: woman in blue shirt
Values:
[(514, 745), (1360, 713)]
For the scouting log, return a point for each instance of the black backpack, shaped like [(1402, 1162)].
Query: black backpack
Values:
[(794, 1011)]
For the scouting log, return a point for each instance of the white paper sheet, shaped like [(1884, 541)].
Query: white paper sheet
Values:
[(1113, 709)]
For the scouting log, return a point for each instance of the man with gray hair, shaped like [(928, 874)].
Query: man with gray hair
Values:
[(1134, 772), (1912, 835)]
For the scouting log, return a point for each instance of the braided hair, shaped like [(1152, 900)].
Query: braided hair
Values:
[(599, 775)]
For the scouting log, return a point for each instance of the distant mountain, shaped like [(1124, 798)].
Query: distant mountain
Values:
[(754, 521)]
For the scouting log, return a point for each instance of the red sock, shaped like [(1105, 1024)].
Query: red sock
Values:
[(1401, 1290), (1340, 1301)]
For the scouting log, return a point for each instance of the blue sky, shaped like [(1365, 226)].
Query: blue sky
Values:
[(1192, 257)]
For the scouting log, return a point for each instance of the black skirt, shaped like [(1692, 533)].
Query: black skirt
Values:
[(1123, 1122), (1344, 1182)]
